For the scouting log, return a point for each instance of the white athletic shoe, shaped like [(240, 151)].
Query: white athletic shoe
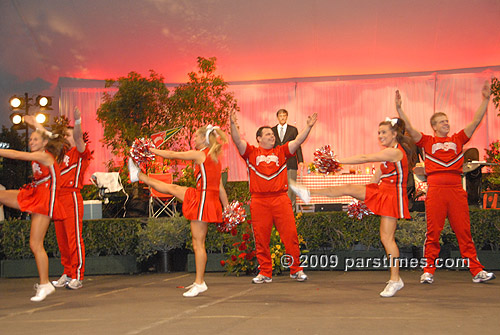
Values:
[(195, 289), (261, 279), (133, 170), (391, 288), (483, 276), (74, 284), (62, 281), (302, 192), (42, 291), (299, 276), (426, 278)]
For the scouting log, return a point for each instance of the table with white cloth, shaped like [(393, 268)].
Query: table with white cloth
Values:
[(316, 181)]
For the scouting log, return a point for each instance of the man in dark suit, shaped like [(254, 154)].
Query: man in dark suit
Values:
[(285, 133)]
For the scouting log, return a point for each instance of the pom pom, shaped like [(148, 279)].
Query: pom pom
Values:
[(232, 216), (357, 209), (140, 152), (325, 161)]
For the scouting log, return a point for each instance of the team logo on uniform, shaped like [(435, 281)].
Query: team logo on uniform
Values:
[(36, 168), (66, 160), (267, 159), (444, 146)]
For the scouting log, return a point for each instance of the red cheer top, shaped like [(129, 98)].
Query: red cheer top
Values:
[(443, 158), (267, 169), (73, 167)]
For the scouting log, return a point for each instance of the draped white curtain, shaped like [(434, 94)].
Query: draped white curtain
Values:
[(349, 109)]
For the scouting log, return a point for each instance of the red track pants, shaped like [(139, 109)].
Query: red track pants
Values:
[(69, 234), (449, 201), (277, 210)]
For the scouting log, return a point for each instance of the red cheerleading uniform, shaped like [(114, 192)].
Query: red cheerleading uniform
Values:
[(389, 197), (202, 203), (443, 157), (40, 196), (270, 204), (69, 229)]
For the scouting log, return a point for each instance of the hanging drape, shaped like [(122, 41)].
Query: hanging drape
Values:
[(349, 109)]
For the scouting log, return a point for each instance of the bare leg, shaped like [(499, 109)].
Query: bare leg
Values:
[(175, 190), (39, 226), (9, 198), (199, 231), (355, 191), (387, 229)]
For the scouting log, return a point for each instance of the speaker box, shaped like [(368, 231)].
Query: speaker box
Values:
[(327, 207)]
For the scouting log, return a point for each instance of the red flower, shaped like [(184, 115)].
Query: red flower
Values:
[(249, 255), (243, 246), (242, 255), (222, 263), (234, 232), (234, 258), (246, 237), (236, 243)]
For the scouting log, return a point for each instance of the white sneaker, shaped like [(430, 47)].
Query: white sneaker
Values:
[(299, 276), (391, 288), (133, 170), (74, 284), (62, 281), (42, 291), (483, 276), (302, 193), (426, 278), (261, 279), (195, 289)]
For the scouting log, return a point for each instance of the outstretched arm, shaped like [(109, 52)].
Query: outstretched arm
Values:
[(235, 134), (386, 155), (77, 131), (301, 137), (471, 127), (39, 156), (192, 155), (414, 134)]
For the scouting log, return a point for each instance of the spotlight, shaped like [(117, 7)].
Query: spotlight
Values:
[(16, 118), (44, 102), (16, 102), (41, 118)]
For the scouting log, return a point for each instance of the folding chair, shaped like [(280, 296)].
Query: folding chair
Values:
[(159, 202), (109, 184)]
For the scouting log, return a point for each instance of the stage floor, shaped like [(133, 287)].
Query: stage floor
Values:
[(334, 302)]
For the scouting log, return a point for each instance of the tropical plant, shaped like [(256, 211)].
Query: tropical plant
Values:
[(493, 156)]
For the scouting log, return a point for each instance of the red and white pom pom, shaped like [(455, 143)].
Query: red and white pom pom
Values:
[(140, 152), (357, 209), (325, 161), (232, 216)]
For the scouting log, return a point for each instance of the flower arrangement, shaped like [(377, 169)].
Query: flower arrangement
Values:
[(493, 156)]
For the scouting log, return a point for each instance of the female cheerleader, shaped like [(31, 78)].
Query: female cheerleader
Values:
[(38, 198), (386, 194), (201, 204)]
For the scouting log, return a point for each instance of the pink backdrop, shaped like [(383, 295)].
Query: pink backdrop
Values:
[(349, 109)]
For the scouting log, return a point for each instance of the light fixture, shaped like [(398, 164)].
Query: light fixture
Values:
[(44, 102), (41, 118), (16, 102), (16, 118)]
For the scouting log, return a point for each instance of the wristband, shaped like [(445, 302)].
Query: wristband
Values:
[(79, 121)]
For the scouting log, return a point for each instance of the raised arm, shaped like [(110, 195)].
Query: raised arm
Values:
[(386, 155), (301, 137), (192, 155), (414, 134), (471, 127), (77, 131), (235, 134)]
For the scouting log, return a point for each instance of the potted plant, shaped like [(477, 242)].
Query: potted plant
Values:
[(162, 235)]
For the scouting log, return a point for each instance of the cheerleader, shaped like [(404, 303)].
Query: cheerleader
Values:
[(202, 204), (38, 198), (386, 194)]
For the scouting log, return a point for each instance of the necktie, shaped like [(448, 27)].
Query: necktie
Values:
[(282, 133)]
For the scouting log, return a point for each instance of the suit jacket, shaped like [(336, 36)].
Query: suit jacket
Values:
[(290, 134)]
